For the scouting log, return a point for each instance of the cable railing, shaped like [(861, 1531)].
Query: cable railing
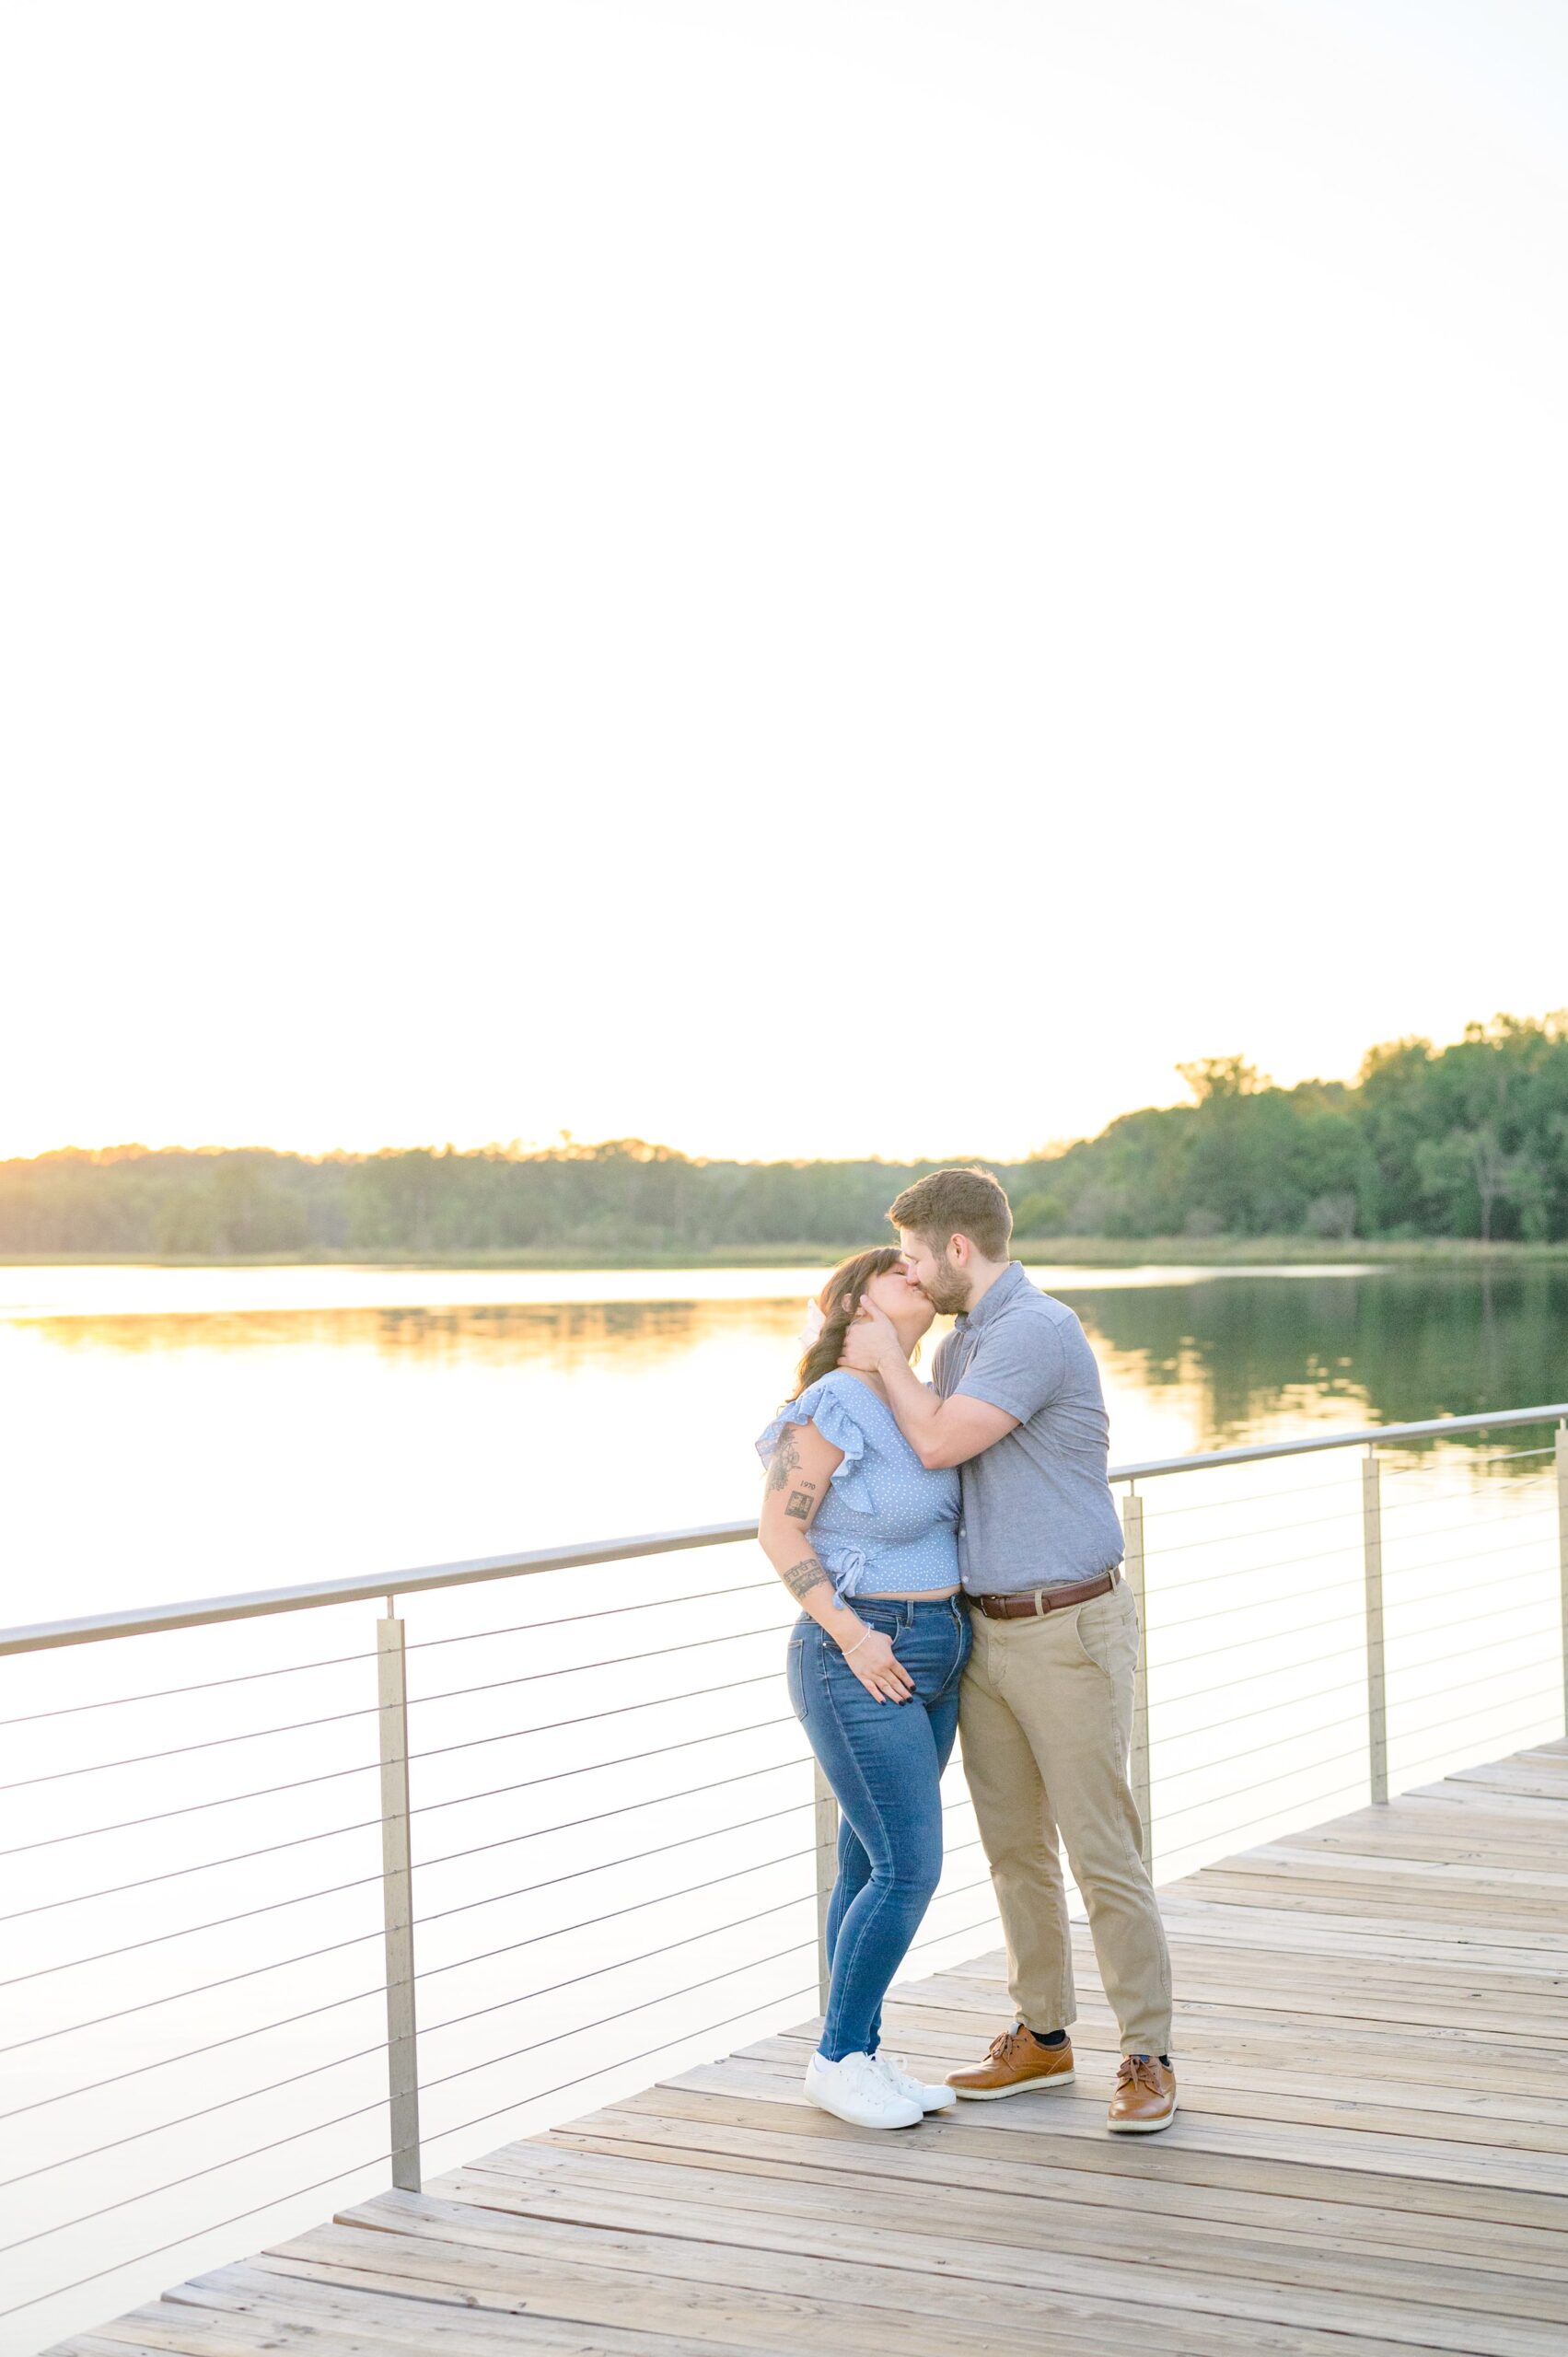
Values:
[(554, 1859)]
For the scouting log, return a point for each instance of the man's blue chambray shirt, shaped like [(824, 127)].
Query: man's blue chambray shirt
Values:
[(1038, 1508)]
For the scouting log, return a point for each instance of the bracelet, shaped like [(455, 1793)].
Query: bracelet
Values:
[(847, 1650)]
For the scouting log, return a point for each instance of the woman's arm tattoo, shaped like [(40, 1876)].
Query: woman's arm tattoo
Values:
[(802, 1503), (785, 1458), (801, 1578)]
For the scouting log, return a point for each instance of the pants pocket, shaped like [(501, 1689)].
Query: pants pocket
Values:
[(1107, 1631)]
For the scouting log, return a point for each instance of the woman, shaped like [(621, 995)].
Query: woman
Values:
[(864, 1538)]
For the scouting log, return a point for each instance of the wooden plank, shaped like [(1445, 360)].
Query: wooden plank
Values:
[(1169, 2178), (1485, 1945), (259, 2296), (1042, 2193), (772, 2260), (773, 2320), (1466, 2168), (990, 2238)]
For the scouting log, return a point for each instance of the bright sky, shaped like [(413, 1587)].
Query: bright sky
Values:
[(791, 576)]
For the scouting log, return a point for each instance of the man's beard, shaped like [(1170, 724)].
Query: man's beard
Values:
[(948, 1290)]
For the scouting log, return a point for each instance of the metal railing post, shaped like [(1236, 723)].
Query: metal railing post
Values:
[(827, 1815), (1376, 1672), (1563, 1550), (397, 1891), (1132, 1570)]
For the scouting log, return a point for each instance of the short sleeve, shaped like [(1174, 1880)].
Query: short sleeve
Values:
[(824, 1404), (1019, 1365)]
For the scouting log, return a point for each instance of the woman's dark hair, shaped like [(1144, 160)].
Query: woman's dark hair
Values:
[(838, 1300)]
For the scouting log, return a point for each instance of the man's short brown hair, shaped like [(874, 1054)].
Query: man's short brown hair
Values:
[(957, 1202)]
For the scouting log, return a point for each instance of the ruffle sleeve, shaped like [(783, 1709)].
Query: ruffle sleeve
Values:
[(823, 1403)]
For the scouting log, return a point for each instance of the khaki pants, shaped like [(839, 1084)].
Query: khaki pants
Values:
[(1046, 1720)]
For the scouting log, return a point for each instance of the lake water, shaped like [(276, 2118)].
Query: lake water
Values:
[(612, 1805)]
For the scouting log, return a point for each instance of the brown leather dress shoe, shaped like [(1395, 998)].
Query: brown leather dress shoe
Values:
[(1145, 2097), (1017, 2062)]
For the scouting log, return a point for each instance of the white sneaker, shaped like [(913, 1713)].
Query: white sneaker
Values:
[(856, 2090), (915, 2090)]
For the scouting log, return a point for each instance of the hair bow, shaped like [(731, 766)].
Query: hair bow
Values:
[(815, 1321)]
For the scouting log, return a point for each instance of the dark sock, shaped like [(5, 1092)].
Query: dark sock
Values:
[(1046, 2036)]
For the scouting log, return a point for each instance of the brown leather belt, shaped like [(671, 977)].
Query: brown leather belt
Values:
[(1037, 1601)]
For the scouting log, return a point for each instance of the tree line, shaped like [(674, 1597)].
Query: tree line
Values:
[(1471, 1139)]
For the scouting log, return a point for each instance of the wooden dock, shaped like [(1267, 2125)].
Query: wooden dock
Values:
[(1372, 2155)]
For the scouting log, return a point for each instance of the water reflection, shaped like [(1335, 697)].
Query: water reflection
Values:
[(1384, 1347)]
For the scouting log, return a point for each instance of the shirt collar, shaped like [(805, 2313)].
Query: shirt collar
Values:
[(1005, 1290)]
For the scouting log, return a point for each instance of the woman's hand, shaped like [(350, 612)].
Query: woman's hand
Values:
[(879, 1668)]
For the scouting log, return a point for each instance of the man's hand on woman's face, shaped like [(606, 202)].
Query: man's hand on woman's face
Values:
[(871, 1341)]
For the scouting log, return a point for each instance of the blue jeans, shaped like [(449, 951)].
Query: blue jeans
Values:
[(884, 1761)]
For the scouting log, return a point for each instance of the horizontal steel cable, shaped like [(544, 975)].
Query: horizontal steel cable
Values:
[(570, 1620), (1259, 1784), (1481, 1556), (603, 2070), (94, 2152), (430, 1972), (746, 2013), (336, 2177), (151, 2192), (362, 1882), (335, 1661), (1353, 1546), (437, 1751), (1269, 1600), (1408, 1606), (1247, 1825), (585, 2029), (962, 1931), (1251, 1497), (1479, 1457), (1256, 1752), (1156, 1557), (621, 2013), (167, 1693), (1346, 1513), (372, 1710), (382, 2045), (1240, 1643), (1490, 1493), (1271, 1563), (618, 1964), (1162, 1513), (1471, 1652), (1404, 1732), (177, 1874), (1318, 1661), (636, 1907), (335, 1948), (1356, 1685), (191, 2053), (460, 1800), (191, 1808), (1433, 1759)]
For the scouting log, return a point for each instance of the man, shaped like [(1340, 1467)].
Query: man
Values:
[(1046, 1714)]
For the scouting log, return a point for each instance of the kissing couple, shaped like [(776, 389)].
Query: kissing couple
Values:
[(956, 1553)]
